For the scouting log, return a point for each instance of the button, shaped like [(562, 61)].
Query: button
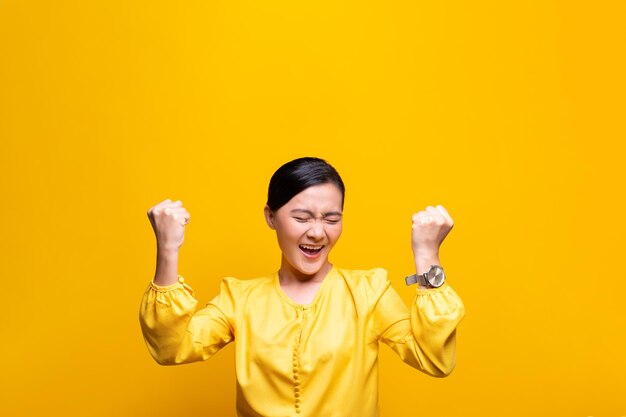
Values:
[(297, 389), (181, 279), (298, 410), (297, 394)]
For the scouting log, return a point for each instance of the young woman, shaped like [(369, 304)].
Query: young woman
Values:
[(306, 336)]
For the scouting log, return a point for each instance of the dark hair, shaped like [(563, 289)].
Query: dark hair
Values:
[(298, 175)]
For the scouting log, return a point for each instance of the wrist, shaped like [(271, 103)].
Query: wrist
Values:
[(166, 267), (167, 251), (423, 263)]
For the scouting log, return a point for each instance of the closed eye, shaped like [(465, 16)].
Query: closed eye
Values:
[(308, 219)]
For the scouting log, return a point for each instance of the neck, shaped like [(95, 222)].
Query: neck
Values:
[(289, 275)]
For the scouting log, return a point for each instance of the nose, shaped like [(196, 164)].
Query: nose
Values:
[(316, 231)]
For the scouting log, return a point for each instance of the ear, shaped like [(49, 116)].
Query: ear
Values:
[(269, 217)]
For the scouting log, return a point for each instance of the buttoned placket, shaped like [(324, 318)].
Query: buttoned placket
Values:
[(301, 313)]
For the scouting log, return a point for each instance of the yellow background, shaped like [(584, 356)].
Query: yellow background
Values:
[(511, 115)]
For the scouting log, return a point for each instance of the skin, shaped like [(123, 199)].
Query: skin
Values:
[(168, 219), (430, 227), (310, 217)]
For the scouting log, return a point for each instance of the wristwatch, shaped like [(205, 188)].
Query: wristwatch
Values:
[(434, 278)]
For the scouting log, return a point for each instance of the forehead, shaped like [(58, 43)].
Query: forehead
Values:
[(323, 197)]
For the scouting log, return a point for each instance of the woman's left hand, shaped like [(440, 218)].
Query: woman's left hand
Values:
[(430, 228)]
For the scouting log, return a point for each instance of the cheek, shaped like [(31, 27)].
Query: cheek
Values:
[(335, 233), (288, 235)]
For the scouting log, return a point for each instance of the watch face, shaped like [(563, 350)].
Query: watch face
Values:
[(436, 277)]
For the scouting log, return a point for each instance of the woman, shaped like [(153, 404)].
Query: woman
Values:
[(306, 337)]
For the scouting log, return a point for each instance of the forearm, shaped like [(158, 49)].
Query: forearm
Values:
[(166, 267), (424, 260), (165, 318), (435, 316), (427, 340)]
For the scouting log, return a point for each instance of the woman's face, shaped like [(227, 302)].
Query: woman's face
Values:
[(307, 227)]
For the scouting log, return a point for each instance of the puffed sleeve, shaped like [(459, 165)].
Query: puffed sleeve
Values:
[(424, 336), (175, 333)]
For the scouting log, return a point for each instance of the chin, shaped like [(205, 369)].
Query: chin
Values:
[(310, 268)]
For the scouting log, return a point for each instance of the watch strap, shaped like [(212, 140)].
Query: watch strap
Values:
[(416, 279)]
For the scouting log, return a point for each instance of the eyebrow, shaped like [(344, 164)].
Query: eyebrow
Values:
[(330, 213)]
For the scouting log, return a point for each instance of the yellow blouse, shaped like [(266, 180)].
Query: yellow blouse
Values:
[(319, 359)]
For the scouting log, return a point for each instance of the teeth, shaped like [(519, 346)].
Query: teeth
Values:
[(312, 247)]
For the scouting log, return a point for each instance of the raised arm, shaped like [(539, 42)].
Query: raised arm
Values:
[(174, 332), (424, 336)]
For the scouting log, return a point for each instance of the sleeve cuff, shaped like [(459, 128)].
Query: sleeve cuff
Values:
[(167, 288), (426, 291)]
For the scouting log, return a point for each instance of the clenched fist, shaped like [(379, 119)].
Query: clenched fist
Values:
[(430, 227), (168, 219)]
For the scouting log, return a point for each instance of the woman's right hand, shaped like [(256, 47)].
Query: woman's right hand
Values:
[(168, 219)]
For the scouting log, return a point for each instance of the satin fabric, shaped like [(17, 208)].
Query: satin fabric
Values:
[(319, 359)]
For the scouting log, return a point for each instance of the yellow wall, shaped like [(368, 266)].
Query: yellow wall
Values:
[(510, 115)]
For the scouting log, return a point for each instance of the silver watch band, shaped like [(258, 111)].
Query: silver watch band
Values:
[(417, 279)]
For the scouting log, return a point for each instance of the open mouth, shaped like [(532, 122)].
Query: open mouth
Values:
[(311, 250)]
